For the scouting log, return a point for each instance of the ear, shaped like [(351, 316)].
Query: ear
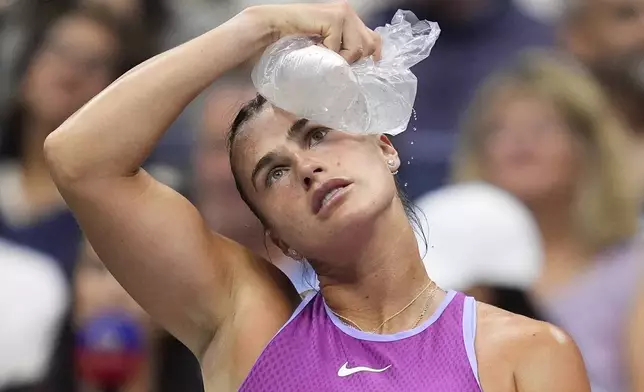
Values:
[(389, 153), (288, 252)]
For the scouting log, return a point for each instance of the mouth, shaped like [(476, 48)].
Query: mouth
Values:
[(327, 193)]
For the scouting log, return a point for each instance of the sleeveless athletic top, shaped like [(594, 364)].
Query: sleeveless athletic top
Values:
[(315, 351)]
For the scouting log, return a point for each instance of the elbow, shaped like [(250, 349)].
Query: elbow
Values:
[(59, 155)]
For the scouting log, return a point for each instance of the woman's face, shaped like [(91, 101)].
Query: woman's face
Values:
[(75, 63), (530, 150), (313, 185)]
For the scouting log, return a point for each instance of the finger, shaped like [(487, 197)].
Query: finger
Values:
[(377, 40), (333, 39), (352, 43), (369, 45)]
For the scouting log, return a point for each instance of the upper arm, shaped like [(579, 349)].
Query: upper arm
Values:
[(158, 247), (634, 344), (550, 361)]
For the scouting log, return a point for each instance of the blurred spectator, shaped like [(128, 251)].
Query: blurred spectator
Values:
[(543, 131), (152, 28), (216, 194), (477, 37), (68, 62), (166, 364), (152, 17), (608, 37), (33, 301)]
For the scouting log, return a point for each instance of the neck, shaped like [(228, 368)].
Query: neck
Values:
[(558, 233), (565, 256), (379, 278)]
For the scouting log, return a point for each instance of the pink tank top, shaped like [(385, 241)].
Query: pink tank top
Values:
[(315, 351)]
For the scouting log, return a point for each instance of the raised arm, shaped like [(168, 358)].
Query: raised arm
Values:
[(152, 239)]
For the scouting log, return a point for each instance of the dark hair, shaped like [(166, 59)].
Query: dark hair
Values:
[(250, 109), (12, 123)]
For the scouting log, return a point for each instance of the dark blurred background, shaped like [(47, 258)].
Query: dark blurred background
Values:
[(541, 99)]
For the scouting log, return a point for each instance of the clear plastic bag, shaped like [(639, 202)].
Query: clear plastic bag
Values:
[(300, 76)]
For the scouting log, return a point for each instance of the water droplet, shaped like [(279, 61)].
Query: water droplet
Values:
[(405, 184), (412, 143), (409, 163), (412, 158), (414, 129)]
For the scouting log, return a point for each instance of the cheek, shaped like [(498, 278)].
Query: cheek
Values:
[(553, 166)]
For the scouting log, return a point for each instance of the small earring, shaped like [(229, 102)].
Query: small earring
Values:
[(292, 253), (392, 163)]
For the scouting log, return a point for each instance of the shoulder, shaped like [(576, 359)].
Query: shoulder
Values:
[(537, 355), (509, 329)]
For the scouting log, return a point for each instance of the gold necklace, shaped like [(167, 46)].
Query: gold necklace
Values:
[(353, 324)]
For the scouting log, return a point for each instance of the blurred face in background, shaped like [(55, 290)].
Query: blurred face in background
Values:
[(217, 196), (530, 150), (96, 291), (75, 62), (125, 9), (608, 36)]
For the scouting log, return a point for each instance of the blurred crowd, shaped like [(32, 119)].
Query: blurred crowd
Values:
[(526, 156)]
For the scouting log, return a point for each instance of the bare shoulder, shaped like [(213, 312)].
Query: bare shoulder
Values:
[(515, 333), (529, 354)]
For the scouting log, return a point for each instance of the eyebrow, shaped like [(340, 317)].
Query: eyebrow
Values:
[(294, 132)]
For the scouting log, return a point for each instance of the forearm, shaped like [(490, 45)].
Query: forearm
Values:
[(115, 132)]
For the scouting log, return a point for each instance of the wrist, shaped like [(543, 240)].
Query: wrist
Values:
[(260, 19)]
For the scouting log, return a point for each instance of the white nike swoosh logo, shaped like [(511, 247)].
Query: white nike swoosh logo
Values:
[(344, 371)]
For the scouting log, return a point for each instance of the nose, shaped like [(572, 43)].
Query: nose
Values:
[(308, 171)]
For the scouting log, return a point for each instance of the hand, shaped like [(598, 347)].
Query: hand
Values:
[(336, 23)]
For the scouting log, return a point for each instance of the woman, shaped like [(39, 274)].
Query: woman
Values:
[(543, 131), (308, 186), (69, 60)]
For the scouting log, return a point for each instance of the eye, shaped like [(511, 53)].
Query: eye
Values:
[(626, 13), (317, 135), (274, 175)]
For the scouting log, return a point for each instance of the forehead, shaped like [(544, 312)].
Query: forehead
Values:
[(265, 132), (82, 32)]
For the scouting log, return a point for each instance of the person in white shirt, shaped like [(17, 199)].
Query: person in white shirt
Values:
[(33, 302)]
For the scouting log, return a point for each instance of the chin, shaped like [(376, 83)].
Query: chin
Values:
[(360, 214)]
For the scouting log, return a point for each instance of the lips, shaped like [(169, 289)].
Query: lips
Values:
[(327, 192)]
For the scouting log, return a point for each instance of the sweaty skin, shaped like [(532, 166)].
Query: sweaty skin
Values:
[(222, 301)]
